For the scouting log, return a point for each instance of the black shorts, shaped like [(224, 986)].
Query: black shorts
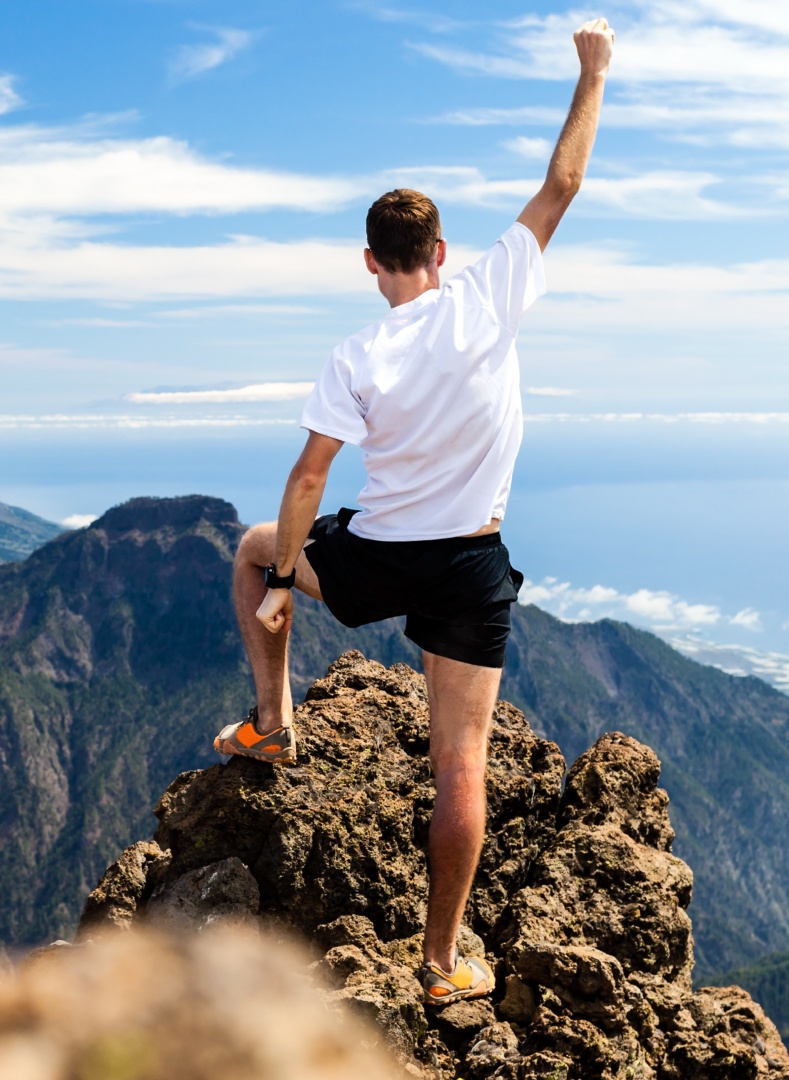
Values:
[(455, 593)]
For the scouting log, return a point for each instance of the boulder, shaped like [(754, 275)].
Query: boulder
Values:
[(579, 903)]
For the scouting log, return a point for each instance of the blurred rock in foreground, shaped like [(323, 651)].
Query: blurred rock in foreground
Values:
[(578, 901), (149, 1006)]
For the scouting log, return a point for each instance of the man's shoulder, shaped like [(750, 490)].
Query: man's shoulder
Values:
[(357, 344)]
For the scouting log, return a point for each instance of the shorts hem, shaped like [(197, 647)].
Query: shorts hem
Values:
[(451, 651)]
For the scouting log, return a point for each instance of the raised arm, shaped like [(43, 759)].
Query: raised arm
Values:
[(594, 42)]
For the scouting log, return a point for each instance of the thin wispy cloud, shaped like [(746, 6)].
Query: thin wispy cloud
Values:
[(109, 421), (548, 391), (673, 195), (9, 99), (426, 20), (244, 311), (761, 419), (713, 69), (256, 392), (193, 60)]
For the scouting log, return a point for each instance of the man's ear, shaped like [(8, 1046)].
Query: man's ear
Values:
[(441, 253), (370, 262)]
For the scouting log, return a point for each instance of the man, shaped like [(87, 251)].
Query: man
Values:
[(431, 393)]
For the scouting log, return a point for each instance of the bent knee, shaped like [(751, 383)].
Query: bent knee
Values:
[(258, 544)]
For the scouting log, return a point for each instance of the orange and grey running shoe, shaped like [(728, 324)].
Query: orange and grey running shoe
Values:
[(471, 978), (244, 738)]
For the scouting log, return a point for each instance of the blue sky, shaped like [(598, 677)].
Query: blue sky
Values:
[(182, 195)]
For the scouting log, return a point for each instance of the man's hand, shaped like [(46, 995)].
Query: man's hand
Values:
[(594, 42), (276, 611)]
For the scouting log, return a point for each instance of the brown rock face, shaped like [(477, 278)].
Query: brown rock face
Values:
[(579, 902)]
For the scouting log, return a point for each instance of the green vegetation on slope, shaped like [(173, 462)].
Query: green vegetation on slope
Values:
[(22, 532)]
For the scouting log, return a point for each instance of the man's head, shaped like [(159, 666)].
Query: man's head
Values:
[(403, 230)]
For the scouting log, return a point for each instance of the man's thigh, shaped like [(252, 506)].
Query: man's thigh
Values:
[(259, 547), (462, 699)]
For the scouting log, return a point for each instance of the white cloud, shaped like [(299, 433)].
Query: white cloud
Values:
[(212, 311), (748, 618), (657, 194), (717, 68), (193, 60), (49, 173), (716, 418), (96, 421), (9, 99), (101, 323), (609, 288), (530, 147), (239, 267), (79, 521), (548, 391), (772, 667), (657, 610), (425, 19), (281, 391)]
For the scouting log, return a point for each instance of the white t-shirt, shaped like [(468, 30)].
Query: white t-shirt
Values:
[(431, 393)]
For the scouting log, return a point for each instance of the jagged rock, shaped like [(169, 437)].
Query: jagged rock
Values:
[(45, 953), (578, 902), (545, 1067), (345, 831), (113, 903), (495, 1052), (520, 1000), (731, 1039), (587, 982), (458, 1024), (608, 881), (222, 892)]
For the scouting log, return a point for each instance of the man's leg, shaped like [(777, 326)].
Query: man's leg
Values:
[(462, 698), (267, 652)]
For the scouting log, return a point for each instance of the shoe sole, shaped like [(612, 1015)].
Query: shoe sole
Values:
[(281, 757), (457, 995)]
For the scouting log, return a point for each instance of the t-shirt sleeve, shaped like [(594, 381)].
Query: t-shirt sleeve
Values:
[(510, 276), (332, 408)]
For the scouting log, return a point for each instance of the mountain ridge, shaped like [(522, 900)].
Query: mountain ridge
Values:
[(120, 657)]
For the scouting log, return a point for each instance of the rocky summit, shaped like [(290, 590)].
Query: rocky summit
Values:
[(578, 903)]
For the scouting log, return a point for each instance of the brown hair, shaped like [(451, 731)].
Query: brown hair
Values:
[(403, 229)]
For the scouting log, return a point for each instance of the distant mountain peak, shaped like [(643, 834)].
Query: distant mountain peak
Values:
[(149, 513)]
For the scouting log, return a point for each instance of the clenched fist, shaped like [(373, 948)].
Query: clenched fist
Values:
[(594, 42)]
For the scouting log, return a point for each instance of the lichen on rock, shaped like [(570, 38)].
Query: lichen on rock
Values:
[(578, 901)]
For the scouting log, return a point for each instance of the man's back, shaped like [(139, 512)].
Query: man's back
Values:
[(431, 392)]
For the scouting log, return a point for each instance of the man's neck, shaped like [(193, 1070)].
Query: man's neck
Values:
[(402, 288)]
